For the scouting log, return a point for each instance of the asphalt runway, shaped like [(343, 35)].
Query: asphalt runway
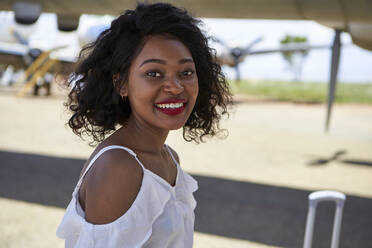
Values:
[(253, 185)]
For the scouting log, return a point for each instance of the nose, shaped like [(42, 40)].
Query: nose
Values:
[(173, 86)]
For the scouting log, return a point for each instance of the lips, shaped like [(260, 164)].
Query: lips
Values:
[(171, 106)]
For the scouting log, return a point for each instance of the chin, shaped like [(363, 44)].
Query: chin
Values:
[(173, 122), (174, 126)]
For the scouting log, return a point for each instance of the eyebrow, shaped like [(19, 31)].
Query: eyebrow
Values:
[(163, 62)]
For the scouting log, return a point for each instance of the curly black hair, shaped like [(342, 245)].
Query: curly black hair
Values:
[(96, 106)]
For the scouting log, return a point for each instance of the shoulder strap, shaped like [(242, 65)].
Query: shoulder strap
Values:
[(170, 152), (100, 153)]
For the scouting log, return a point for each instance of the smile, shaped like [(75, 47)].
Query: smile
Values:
[(171, 108), (170, 105)]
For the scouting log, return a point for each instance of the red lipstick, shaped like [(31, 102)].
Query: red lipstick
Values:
[(171, 106)]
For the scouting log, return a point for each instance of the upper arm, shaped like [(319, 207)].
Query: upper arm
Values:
[(112, 186)]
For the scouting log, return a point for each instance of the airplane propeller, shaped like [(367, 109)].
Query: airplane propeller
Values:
[(239, 53), (32, 53)]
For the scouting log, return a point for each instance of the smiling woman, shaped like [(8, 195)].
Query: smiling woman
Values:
[(164, 84), (151, 72)]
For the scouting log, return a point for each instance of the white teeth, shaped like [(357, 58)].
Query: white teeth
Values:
[(170, 105)]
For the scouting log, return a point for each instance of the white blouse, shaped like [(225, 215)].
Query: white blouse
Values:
[(160, 216)]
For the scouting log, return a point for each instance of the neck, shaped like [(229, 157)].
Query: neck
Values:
[(143, 137)]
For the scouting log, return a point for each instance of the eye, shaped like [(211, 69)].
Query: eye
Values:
[(153, 74), (187, 73)]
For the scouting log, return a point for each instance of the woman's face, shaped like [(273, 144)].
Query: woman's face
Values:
[(162, 86)]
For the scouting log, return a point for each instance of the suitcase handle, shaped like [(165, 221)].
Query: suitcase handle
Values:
[(319, 196)]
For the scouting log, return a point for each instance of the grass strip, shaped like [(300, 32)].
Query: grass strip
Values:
[(312, 92)]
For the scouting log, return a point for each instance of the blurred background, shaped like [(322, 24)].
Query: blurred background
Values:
[(301, 76)]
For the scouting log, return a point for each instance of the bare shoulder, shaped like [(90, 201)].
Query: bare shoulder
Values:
[(175, 155), (111, 186)]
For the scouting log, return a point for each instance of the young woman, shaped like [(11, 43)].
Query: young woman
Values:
[(151, 72)]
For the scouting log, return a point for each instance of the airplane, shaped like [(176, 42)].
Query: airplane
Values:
[(233, 55), (354, 17), (37, 56)]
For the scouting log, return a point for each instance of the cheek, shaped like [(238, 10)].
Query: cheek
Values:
[(194, 89), (142, 90)]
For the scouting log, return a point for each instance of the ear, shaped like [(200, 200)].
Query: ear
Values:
[(122, 88)]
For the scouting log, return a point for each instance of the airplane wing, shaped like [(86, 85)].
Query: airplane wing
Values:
[(289, 48), (349, 16), (13, 49), (20, 50)]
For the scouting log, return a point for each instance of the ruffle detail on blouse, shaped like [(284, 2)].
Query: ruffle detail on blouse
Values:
[(132, 229), (191, 183), (190, 186)]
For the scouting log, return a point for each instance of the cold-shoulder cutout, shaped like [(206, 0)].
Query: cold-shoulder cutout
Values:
[(111, 186)]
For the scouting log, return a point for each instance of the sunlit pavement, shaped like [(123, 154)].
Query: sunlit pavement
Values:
[(253, 184)]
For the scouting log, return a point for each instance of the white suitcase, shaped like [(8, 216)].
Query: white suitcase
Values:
[(319, 196)]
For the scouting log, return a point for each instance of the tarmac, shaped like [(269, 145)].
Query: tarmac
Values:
[(253, 184)]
